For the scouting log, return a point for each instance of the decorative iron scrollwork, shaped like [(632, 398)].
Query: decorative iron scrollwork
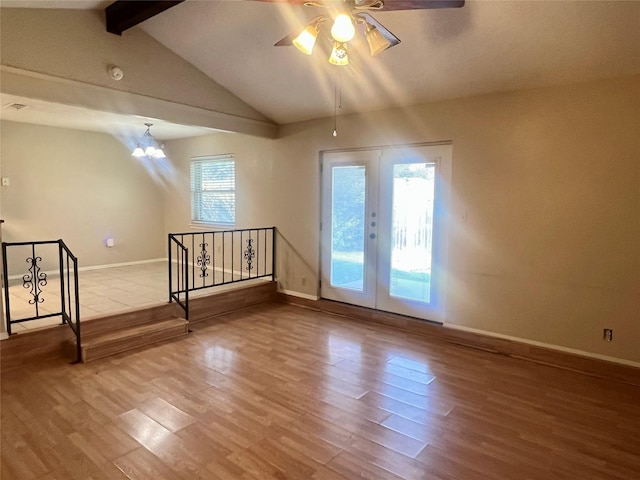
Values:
[(249, 254), (203, 260), (34, 280)]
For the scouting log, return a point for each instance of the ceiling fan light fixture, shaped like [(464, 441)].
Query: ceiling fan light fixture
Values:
[(377, 42), (306, 40), (339, 55), (346, 16), (343, 29)]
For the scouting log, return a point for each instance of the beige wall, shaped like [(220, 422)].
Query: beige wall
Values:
[(545, 212), (63, 56), (254, 179), (81, 187)]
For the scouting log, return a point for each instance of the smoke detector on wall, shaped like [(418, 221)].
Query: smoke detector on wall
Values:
[(115, 72)]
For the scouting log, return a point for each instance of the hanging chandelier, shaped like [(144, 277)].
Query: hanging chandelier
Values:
[(148, 146)]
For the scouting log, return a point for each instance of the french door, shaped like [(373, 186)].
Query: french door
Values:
[(383, 231)]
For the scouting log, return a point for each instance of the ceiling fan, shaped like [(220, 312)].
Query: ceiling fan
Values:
[(346, 15)]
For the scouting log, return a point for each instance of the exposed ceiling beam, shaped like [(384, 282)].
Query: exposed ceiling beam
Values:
[(124, 14)]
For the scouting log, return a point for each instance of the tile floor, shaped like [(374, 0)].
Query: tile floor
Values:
[(103, 291)]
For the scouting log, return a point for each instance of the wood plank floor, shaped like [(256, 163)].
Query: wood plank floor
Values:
[(281, 392)]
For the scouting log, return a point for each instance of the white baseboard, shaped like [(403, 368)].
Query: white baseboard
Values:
[(573, 351), (299, 294), (124, 264), (96, 267)]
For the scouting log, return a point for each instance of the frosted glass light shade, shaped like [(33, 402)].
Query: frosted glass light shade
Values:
[(377, 42), (343, 29), (339, 54), (137, 152), (149, 151), (306, 40)]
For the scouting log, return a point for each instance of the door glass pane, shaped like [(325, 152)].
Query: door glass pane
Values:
[(411, 231), (347, 227)]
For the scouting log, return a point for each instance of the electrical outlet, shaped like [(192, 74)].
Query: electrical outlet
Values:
[(303, 281), (607, 334)]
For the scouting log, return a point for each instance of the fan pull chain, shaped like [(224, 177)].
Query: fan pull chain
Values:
[(337, 102)]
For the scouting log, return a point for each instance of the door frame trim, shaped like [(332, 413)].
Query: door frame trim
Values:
[(445, 169)]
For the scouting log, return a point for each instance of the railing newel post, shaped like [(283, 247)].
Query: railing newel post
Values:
[(61, 268), (273, 254), (5, 280), (75, 273), (170, 267), (77, 293), (186, 289)]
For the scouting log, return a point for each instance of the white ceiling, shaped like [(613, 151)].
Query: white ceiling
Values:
[(486, 46)]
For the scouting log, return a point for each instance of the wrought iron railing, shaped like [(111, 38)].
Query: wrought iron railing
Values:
[(179, 275), (37, 279), (199, 260)]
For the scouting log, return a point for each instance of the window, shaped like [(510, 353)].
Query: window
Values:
[(213, 190)]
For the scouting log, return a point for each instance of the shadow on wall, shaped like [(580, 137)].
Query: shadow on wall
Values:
[(292, 269)]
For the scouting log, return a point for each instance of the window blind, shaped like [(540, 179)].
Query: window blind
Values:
[(213, 190)]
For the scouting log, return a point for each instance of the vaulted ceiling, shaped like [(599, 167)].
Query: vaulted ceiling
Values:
[(486, 46)]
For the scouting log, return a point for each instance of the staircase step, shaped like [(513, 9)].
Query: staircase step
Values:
[(129, 318), (119, 340)]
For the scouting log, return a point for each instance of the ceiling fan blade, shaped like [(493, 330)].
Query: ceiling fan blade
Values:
[(389, 5), (292, 2), (286, 41), (386, 4)]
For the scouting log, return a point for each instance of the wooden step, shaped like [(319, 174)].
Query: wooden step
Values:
[(205, 307), (58, 342), (104, 344), (129, 318)]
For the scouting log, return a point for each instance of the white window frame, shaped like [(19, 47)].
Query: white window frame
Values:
[(198, 189)]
